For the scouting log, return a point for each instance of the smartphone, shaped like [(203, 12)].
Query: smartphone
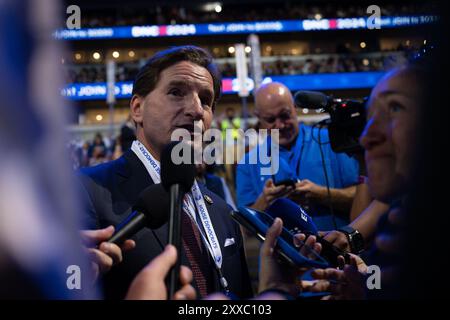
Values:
[(258, 222), (285, 182)]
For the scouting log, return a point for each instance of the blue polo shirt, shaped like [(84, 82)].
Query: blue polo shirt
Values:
[(303, 161)]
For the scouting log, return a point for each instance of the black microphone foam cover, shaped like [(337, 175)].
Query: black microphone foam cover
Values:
[(182, 173), (310, 100), (154, 203)]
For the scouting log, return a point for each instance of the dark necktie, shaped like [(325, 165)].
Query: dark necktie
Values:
[(197, 254)]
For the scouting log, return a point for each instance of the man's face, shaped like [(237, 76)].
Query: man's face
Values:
[(277, 111), (389, 134), (183, 94)]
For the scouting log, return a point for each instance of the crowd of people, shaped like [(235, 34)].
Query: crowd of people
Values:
[(330, 64), (97, 73), (86, 153), (316, 64)]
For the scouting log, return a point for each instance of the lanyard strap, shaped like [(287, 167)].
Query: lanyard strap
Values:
[(193, 199)]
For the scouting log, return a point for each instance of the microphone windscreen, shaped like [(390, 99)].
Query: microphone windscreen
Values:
[(310, 100), (177, 165), (154, 202), (293, 215)]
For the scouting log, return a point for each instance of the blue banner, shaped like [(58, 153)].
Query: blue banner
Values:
[(180, 30), (327, 81)]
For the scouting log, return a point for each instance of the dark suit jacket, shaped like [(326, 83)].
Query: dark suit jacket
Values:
[(110, 190)]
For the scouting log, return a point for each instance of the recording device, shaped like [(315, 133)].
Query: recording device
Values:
[(177, 179), (347, 119), (294, 217), (149, 211), (296, 220), (258, 222)]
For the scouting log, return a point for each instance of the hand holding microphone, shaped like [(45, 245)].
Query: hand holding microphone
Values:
[(103, 255), (150, 210), (297, 220), (155, 205), (149, 283), (105, 246), (275, 275)]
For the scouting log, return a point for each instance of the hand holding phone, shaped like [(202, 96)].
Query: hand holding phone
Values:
[(296, 220), (258, 222), (285, 182), (281, 276)]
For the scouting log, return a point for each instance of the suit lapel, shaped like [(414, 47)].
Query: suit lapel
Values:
[(133, 178)]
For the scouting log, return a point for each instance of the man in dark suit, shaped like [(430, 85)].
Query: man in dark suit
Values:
[(176, 88)]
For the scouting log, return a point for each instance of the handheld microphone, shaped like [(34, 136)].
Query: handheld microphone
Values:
[(177, 179), (149, 211), (297, 220)]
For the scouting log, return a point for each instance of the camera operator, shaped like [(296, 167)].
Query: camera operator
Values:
[(301, 161)]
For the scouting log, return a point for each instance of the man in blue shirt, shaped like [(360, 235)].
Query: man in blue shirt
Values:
[(299, 159)]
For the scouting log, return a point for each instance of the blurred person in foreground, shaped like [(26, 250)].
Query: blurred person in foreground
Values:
[(39, 211), (40, 247), (393, 140)]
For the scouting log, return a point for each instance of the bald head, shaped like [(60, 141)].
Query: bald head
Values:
[(275, 109), (271, 94)]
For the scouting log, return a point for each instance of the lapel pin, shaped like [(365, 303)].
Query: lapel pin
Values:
[(208, 199)]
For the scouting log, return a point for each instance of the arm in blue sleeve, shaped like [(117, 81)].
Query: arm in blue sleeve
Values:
[(245, 192)]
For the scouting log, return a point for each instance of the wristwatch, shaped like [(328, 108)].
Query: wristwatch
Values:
[(355, 239)]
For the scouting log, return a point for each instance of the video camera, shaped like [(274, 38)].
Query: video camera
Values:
[(347, 119)]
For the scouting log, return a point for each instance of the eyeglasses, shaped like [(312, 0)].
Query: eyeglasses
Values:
[(284, 116)]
